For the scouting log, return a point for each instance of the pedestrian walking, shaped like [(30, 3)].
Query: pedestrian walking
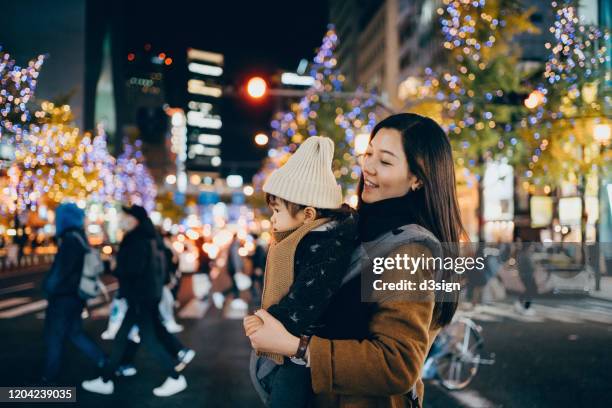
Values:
[(258, 260), (12, 255), (526, 269), (173, 273), (477, 279), (235, 268), (61, 286), (141, 271), (172, 281)]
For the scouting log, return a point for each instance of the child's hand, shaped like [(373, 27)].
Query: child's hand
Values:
[(252, 324)]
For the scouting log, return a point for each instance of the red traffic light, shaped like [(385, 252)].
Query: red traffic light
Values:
[(257, 87)]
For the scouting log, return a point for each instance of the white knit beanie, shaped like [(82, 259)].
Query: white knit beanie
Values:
[(307, 177)]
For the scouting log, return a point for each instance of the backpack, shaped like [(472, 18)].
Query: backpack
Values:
[(156, 271), (90, 285)]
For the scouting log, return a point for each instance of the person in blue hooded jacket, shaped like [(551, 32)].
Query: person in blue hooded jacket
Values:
[(61, 286)]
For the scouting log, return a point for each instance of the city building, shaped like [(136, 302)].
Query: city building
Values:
[(344, 14), (104, 70), (368, 44), (144, 115), (204, 88)]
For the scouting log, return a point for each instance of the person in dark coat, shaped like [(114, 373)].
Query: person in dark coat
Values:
[(259, 265), (140, 270), (526, 269), (61, 286), (235, 265), (169, 341), (173, 273)]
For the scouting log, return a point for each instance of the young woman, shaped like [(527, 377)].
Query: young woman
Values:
[(371, 354)]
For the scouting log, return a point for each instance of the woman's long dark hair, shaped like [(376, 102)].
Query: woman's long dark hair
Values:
[(434, 205)]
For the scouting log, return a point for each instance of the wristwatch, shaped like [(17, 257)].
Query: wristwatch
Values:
[(300, 355)]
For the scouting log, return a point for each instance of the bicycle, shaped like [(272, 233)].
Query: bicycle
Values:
[(455, 355)]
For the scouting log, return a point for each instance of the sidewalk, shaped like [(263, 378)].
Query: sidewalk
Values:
[(605, 291)]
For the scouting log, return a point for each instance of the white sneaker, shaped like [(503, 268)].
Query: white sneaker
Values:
[(239, 304), (529, 311), (107, 335), (218, 300), (173, 327), (98, 386), (126, 371), (171, 387), (186, 355), (518, 307)]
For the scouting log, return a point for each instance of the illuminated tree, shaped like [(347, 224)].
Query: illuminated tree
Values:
[(133, 183), (477, 83), (476, 89), (573, 101), (326, 110), (17, 86), (55, 162), (568, 127)]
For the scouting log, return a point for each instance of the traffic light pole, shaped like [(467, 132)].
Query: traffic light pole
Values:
[(298, 93)]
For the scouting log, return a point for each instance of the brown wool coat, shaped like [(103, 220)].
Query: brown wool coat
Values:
[(378, 371)]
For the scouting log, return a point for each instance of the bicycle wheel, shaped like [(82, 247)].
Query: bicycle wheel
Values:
[(458, 364)]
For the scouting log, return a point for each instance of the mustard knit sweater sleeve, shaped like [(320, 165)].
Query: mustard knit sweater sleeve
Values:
[(389, 362)]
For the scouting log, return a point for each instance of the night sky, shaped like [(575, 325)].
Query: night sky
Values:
[(256, 37)]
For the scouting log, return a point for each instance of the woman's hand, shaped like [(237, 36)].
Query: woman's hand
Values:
[(272, 337)]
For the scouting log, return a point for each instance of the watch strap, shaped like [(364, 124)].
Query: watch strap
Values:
[(301, 351)]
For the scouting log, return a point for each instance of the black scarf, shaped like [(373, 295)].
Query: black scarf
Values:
[(382, 216)]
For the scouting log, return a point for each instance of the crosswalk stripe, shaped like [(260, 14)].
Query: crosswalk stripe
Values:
[(508, 311), (24, 309), (468, 398), (602, 303), (17, 288), (587, 314), (561, 313), (474, 315), (194, 309), (40, 305), (602, 310), (553, 313), (13, 302)]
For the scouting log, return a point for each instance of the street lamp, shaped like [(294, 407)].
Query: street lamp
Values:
[(534, 99), (256, 87), (171, 179), (601, 133), (195, 179), (248, 190), (361, 143), (261, 139)]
